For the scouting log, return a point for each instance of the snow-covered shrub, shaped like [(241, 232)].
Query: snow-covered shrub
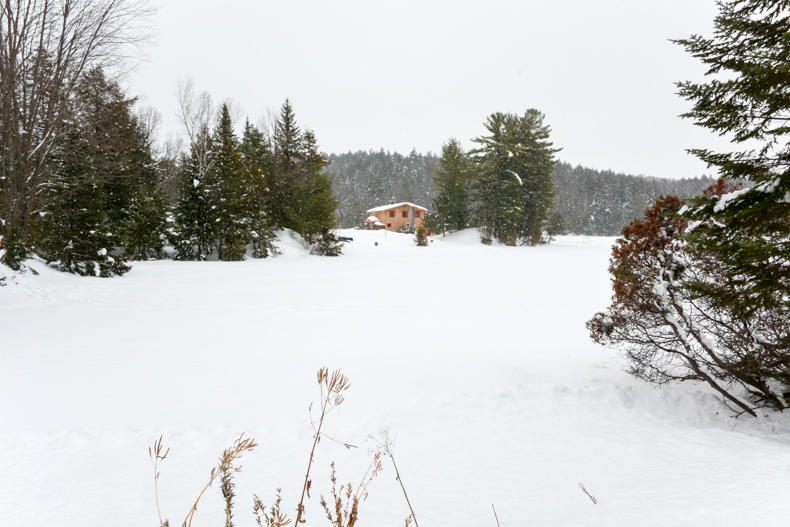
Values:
[(328, 244), (670, 333)]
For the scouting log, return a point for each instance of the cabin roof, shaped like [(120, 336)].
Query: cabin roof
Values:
[(395, 206)]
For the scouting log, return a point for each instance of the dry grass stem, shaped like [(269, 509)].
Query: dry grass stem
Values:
[(386, 446), (274, 518), (348, 514), (157, 457), (595, 501), (226, 468), (332, 387), (495, 516)]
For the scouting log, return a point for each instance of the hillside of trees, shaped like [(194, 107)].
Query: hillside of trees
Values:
[(591, 202)]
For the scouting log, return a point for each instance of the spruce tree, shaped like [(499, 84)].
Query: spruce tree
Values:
[(75, 236), (258, 162), (453, 204), (745, 98), (195, 213), (144, 231), (100, 167), (315, 203), (287, 174), (233, 198)]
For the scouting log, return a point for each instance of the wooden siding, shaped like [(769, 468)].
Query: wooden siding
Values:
[(393, 224)]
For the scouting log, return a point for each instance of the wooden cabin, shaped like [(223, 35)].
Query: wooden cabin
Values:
[(396, 216)]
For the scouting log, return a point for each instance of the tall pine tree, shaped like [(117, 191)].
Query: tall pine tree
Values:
[(513, 184)]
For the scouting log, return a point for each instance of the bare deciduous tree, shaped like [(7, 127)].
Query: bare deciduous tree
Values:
[(45, 47), (196, 113)]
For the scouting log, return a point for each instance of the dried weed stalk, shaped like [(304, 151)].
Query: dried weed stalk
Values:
[(274, 518), (157, 457), (226, 470), (386, 445), (332, 387), (348, 514), (595, 501)]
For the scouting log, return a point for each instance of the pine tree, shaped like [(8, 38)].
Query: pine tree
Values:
[(745, 98), (513, 184), (453, 204)]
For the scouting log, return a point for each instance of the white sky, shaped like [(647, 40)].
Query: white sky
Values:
[(366, 74)]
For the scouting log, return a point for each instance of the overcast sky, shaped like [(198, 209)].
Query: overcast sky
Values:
[(403, 75)]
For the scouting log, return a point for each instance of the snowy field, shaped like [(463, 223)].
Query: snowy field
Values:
[(475, 358)]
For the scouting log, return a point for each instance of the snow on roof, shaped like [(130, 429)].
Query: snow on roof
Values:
[(372, 219), (395, 205)]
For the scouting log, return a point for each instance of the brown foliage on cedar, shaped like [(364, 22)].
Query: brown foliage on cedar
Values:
[(640, 241), (667, 332), (720, 188)]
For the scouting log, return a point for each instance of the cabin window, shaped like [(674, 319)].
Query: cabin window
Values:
[(392, 214), (405, 214), (416, 213), (389, 225)]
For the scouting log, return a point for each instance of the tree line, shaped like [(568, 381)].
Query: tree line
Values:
[(83, 183), (588, 202)]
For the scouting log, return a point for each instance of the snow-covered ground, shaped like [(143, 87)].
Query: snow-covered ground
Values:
[(476, 358)]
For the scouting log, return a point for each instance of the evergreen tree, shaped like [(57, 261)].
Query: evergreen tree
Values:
[(327, 244), (555, 224), (195, 214), (669, 333), (144, 230), (75, 237), (233, 198), (100, 168), (287, 174), (258, 162), (420, 237), (143, 224), (315, 204), (513, 185), (453, 204), (745, 97)]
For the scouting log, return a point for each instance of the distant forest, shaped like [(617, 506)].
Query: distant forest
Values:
[(591, 202)]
